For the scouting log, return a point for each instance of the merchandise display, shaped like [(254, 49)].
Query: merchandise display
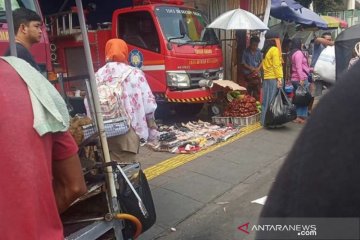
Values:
[(191, 137)]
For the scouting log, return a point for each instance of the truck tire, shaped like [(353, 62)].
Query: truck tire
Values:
[(188, 109), (163, 111), (215, 109)]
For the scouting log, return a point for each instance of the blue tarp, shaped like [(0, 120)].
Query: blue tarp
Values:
[(291, 3), (289, 10)]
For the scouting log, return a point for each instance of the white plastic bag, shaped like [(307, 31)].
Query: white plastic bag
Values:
[(325, 66)]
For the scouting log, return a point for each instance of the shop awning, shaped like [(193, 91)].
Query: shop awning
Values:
[(285, 11), (334, 22)]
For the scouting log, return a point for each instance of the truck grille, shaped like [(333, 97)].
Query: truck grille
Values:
[(196, 76)]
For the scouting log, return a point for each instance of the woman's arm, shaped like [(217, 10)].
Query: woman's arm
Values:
[(277, 65), (148, 97)]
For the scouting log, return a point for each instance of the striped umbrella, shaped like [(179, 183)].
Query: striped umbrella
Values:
[(334, 22)]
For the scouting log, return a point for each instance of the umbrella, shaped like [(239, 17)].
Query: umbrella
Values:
[(238, 19), (344, 45), (300, 15), (343, 23), (290, 3), (334, 22)]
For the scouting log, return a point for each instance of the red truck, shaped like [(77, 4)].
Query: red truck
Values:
[(166, 39)]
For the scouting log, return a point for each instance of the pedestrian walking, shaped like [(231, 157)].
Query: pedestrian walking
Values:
[(27, 25), (273, 72), (252, 63), (300, 71), (134, 100)]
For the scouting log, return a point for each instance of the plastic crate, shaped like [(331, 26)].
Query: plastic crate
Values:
[(221, 120), (113, 127), (245, 121)]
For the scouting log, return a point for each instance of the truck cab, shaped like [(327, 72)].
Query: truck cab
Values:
[(171, 44), (41, 50)]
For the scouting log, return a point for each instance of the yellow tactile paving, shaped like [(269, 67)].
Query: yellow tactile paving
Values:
[(181, 159)]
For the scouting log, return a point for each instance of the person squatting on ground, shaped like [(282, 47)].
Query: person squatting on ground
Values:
[(300, 71), (27, 26), (40, 174), (252, 63), (273, 72), (134, 100)]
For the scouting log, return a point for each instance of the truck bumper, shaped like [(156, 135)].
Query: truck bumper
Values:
[(189, 96)]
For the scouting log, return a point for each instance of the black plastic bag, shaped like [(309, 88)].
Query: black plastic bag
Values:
[(129, 203), (302, 97), (280, 110)]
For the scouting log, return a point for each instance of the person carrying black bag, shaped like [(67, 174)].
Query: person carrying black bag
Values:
[(273, 72), (300, 71)]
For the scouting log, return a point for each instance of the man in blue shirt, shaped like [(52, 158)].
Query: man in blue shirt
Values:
[(252, 64), (320, 43)]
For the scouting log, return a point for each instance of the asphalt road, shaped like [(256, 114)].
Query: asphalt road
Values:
[(221, 218)]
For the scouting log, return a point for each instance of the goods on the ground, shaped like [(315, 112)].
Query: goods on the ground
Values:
[(242, 106), (221, 120), (191, 137), (245, 121)]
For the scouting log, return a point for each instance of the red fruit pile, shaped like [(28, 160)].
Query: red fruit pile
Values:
[(241, 107)]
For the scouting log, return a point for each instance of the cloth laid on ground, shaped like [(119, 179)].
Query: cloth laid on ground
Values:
[(50, 111), (191, 137)]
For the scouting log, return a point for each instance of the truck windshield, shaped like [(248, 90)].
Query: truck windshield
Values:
[(193, 30), (16, 4)]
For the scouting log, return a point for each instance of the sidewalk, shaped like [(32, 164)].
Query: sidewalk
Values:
[(191, 188)]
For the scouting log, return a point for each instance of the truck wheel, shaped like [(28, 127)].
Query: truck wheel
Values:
[(163, 110), (215, 109), (188, 110)]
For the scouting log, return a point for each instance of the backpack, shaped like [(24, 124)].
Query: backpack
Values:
[(110, 102)]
